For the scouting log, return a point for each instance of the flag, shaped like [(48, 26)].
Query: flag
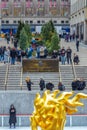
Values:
[(54, 3), (28, 4), (42, 3), (15, 4), (50, 4), (3, 4), (62, 3), (38, 4)]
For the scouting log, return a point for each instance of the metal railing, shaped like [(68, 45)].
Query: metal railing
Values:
[(6, 76), (60, 78), (21, 77), (21, 117), (73, 69)]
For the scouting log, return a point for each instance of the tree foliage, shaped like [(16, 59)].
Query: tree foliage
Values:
[(55, 42), (50, 36), (23, 41), (47, 30), (20, 26), (28, 32)]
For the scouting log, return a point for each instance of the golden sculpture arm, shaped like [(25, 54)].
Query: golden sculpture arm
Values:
[(50, 110)]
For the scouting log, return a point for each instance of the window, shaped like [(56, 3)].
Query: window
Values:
[(31, 22), (3, 21), (26, 21), (14, 21), (67, 21), (55, 21), (7, 21), (43, 21), (62, 21), (38, 21), (18, 21)]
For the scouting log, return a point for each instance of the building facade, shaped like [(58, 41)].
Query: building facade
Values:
[(79, 19), (34, 12)]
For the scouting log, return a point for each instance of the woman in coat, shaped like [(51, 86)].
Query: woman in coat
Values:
[(29, 83), (12, 118)]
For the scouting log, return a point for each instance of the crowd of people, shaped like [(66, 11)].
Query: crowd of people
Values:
[(10, 55), (78, 84)]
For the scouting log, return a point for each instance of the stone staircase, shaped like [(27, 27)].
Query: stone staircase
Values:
[(35, 78), (67, 75), (81, 72), (2, 76), (14, 77)]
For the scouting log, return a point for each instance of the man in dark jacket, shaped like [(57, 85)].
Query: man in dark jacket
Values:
[(50, 86), (42, 84), (68, 55), (82, 84), (13, 56), (74, 85)]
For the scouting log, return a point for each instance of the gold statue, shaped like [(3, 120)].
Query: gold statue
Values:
[(50, 110)]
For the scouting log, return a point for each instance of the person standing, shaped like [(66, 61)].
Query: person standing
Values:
[(63, 56), (12, 118), (77, 44), (42, 84), (29, 83), (68, 55), (13, 56)]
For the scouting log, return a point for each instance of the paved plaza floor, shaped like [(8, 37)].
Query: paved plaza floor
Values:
[(28, 128)]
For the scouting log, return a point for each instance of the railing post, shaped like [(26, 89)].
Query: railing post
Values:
[(70, 120), (2, 121), (20, 121)]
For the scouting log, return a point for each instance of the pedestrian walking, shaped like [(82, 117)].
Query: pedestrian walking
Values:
[(29, 83)]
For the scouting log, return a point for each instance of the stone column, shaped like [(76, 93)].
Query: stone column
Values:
[(85, 32)]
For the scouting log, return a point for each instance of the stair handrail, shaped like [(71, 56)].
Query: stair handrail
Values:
[(73, 68), (60, 79), (6, 76), (21, 77)]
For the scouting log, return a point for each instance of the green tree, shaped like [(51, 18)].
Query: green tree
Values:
[(28, 32), (47, 30), (54, 43), (23, 41), (20, 26)]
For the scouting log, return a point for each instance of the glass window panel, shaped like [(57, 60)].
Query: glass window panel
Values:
[(53, 7), (17, 8), (5, 8), (41, 8), (65, 8), (29, 8)]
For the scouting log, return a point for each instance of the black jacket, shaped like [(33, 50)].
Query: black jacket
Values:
[(12, 118)]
